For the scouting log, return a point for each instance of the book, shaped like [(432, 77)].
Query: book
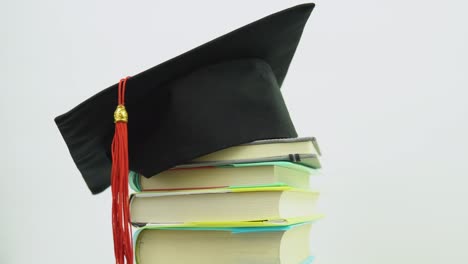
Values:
[(233, 175), (281, 245), (263, 204), (303, 151)]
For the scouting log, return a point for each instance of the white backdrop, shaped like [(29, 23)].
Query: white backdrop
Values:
[(381, 84)]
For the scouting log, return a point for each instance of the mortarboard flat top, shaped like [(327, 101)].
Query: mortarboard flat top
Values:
[(221, 94)]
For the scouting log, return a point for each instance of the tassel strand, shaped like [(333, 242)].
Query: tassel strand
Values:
[(121, 228)]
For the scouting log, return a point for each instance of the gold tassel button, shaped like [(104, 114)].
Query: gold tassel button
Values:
[(120, 114)]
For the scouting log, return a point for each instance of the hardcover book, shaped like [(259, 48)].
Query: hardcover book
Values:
[(303, 151), (275, 245), (222, 205), (233, 175)]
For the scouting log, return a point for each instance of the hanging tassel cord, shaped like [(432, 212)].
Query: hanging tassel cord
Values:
[(121, 227)]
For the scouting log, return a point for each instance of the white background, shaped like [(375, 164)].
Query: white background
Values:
[(381, 84)]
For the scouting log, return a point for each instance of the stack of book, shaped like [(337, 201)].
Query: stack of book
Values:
[(252, 203)]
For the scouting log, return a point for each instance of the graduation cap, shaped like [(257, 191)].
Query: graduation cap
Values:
[(220, 94)]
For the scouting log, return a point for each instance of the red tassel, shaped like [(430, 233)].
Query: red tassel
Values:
[(119, 183)]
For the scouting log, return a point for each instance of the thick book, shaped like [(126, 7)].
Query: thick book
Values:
[(233, 175), (277, 245), (264, 204), (303, 151)]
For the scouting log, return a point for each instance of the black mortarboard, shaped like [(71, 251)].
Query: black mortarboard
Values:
[(223, 93)]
